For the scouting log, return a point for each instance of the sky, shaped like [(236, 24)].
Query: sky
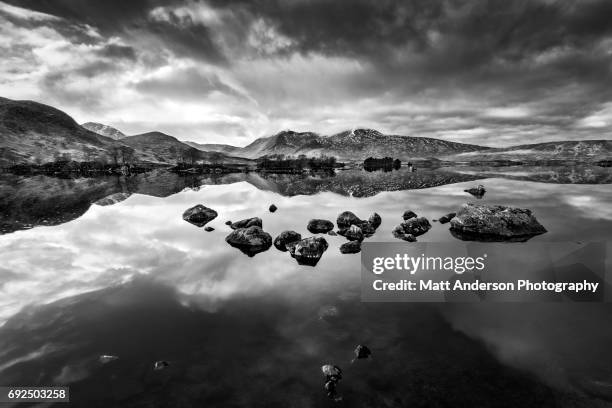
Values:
[(494, 73)]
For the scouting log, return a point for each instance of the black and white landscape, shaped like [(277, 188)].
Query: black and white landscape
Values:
[(185, 187)]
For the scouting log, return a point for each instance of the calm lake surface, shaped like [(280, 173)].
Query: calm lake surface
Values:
[(108, 266)]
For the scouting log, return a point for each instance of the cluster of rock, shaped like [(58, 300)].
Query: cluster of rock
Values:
[(249, 237), (333, 373), (412, 227)]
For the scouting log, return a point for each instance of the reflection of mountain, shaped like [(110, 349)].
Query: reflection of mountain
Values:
[(27, 202), (542, 174)]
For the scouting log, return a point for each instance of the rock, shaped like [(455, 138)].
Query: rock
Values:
[(160, 365), (353, 233), (346, 219), (249, 222), (375, 220), (209, 229), (199, 215), (317, 226), (408, 215), (285, 238), (494, 223), (251, 240), (106, 358), (413, 226), (352, 247), (308, 251), (398, 232), (332, 372), (273, 208), (361, 352), (446, 218), (332, 233), (228, 222), (477, 192)]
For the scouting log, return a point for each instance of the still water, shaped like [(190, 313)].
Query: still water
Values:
[(108, 266)]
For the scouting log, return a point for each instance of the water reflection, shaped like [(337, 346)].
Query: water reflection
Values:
[(133, 279)]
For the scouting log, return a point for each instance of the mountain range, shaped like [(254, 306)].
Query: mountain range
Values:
[(32, 132)]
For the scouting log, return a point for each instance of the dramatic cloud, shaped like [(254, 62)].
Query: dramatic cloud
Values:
[(494, 73)]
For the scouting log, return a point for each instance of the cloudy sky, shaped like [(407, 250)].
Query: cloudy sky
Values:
[(488, 72)]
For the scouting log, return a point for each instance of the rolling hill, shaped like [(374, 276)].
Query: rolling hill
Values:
[(104, 130)]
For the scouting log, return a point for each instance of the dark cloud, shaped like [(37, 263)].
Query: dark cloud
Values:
[(117, 51)]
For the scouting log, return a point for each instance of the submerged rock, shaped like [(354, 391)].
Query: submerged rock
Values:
[(332, 233), (199, 215), (228, 222), (308, 251), (412, 228), (353, 233), (209, 229), (408, 215), (251, 240), (273, 208), (446, 218), (160, 365), (494, 223), (246, 223), (351, 247), (477, 192), (362, 352), (317, 226), (284, 238)]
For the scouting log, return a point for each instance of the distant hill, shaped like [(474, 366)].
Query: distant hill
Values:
[(162, 148), (583, 150), (104, 130), (32, 132), (214, 147), (352, 145)]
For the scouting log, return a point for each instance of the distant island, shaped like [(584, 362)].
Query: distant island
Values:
[(39, 138)]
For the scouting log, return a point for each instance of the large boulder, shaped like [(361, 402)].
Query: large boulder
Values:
[(368, 227), (285, 238), (317, 226), (246, 223), (351, 247), (494, 223), (199, 215), (251, 240), (308, 251)]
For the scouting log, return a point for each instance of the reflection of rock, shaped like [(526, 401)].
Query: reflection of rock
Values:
[(273, 208), (317, 226), (332, 374), (160, 365), (446, 218), (353, 233), (494, 223), (285, 238), (308, 251), (412, 228), (112, 199), (209, 229), (251, 240), (351, 247), (246, 223), (408, 214), (362, 352), (199, 215), (106, 358), (477, 192), (328, 312)]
